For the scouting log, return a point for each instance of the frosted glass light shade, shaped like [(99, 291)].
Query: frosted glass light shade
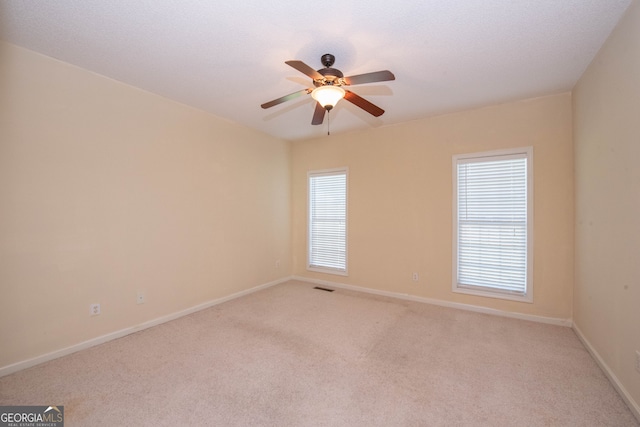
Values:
[(328, 96)]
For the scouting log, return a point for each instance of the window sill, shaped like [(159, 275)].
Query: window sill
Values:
[(481, 292), (333, 271)]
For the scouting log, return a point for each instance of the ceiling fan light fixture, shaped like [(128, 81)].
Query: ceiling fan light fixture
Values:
[(328, 96)]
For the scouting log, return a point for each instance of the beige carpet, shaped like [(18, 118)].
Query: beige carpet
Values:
[(294, 356)]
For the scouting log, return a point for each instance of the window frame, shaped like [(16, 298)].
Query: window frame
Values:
[(505, 154), (320, 269)]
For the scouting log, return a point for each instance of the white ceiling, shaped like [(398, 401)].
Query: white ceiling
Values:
[(227, 57)]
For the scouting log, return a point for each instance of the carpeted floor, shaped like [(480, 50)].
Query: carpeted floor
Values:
[(294, 356)]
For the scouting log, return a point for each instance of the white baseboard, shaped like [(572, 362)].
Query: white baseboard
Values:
[(18, 366), (468, 307), (622, 391)]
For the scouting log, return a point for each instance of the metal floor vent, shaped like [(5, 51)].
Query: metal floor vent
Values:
[(324, 289)]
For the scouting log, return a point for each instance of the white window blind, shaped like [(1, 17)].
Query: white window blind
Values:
[(493, 225), (328, 221)]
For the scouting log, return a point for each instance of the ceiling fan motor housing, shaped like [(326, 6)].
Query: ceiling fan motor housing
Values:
[(331, 77)]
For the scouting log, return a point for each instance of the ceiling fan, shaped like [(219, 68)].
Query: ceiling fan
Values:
[(329, 90)]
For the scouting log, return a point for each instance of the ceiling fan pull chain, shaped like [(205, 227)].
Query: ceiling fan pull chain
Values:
[(328, 122)]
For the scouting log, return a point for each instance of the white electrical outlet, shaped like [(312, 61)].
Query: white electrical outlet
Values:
[(638, 361), (94, 309), (416, 277), (140, 298), (277, 263)]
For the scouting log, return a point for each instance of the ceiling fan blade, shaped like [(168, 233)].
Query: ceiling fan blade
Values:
[(376, 76), (363, 103), (318, 115), (305, 69), (285, 98)]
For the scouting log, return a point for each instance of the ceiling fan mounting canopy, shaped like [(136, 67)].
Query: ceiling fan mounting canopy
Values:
[(327, 60), (332, 78)]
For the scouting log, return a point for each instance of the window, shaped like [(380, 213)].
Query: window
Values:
[(493, 218), (327, 250)]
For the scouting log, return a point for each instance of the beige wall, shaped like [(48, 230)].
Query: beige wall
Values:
[(106, 190), (607, 151), (400, 200)]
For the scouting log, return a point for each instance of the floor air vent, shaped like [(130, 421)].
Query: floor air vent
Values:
[(323, 289)]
